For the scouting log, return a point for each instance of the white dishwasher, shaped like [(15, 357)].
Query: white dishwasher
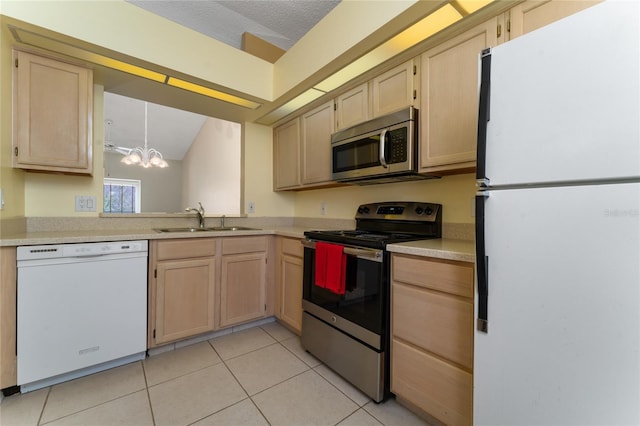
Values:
[(81, 308)]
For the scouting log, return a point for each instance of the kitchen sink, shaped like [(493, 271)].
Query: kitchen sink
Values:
[(233, 228), (221, 228), (183, 229)]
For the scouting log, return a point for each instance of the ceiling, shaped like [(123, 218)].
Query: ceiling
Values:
[(280, 22), (171, 131)]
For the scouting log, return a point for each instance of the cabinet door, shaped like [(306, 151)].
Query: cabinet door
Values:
[(243, 288), (184, 298), (286, 155), (53, 106), (8, 282), (449, 100), (434, 321), (437, 387), (291, 291), (534, 14), (317, 126), (393, 90), (352, 107)]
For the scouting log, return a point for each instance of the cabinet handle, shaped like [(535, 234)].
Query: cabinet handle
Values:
[(499, 30)]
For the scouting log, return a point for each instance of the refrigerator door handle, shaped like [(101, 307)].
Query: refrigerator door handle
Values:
[(483, 117), (482, 262)]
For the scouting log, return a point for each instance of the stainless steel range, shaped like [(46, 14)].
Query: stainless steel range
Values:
[(346, 283)]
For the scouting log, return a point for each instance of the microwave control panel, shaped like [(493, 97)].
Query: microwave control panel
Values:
[(397, 146)]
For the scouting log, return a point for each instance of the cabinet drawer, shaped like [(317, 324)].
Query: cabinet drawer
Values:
[(244, 245), (451, 277), (435, 386), (186, 248), (434, 321), (292, 247)]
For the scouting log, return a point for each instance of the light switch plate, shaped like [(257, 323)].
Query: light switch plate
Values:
[(251, 208), (85, 203)]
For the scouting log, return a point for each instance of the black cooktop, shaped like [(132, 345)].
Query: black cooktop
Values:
[(379, 224)]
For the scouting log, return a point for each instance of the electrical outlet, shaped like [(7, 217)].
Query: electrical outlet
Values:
[(323, 208), (251, 208), (1, 199), (85, 203)]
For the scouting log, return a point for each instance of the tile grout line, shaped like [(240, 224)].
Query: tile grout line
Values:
[(146, 386), (46, 399), (340, 390)]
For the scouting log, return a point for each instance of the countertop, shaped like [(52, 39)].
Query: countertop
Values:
[(460, 250), (450, 249), (90, 236)]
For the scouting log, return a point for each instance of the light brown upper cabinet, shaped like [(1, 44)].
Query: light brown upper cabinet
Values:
[(352, 107), (317, 127), (394, 89), (53, 108), (449, 100), (534, 14), (286, 155)]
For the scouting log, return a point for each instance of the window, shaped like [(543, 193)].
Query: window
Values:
[(121, 195)]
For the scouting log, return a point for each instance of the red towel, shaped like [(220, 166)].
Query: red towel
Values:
[(331, 267)]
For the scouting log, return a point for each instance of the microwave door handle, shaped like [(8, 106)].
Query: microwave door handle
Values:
[(383, 137)]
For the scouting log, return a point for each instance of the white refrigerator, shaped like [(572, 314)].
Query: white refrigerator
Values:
[(557, 337)]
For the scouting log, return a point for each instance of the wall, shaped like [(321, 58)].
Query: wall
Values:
[(211, 169), (160, 188), (258, 175), (455, 193)]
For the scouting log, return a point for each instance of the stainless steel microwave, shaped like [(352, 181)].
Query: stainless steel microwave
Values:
[(384, 149)]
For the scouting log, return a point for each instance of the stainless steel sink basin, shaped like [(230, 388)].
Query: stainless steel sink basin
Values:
[(221, 228), (183, 229), (233, 228)]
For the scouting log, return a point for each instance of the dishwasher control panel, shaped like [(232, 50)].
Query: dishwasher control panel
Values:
[(53, 251)]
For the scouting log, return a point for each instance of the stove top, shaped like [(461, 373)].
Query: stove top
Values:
[(379, 224)]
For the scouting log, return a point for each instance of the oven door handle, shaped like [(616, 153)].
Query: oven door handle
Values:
[(362, 253)]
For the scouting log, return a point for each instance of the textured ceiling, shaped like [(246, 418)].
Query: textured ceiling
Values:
[(280, 22), (171, 131)]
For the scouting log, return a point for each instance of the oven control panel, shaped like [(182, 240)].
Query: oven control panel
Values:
[(402, 210)]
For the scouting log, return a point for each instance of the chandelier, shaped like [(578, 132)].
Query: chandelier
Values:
[(145, 156)]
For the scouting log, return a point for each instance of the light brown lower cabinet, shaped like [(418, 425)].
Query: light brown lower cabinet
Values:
[(289, 281), (8, 282), (243, 284), (181, 289), (432, 336)]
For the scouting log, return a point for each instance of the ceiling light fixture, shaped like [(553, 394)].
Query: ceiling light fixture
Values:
[(145, 156)]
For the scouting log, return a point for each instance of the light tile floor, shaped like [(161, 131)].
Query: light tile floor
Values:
[(257, 376)]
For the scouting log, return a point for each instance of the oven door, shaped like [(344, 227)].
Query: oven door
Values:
[(361, 311)]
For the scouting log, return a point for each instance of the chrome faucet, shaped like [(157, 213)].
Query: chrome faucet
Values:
[(222, 221), (200, 213)]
